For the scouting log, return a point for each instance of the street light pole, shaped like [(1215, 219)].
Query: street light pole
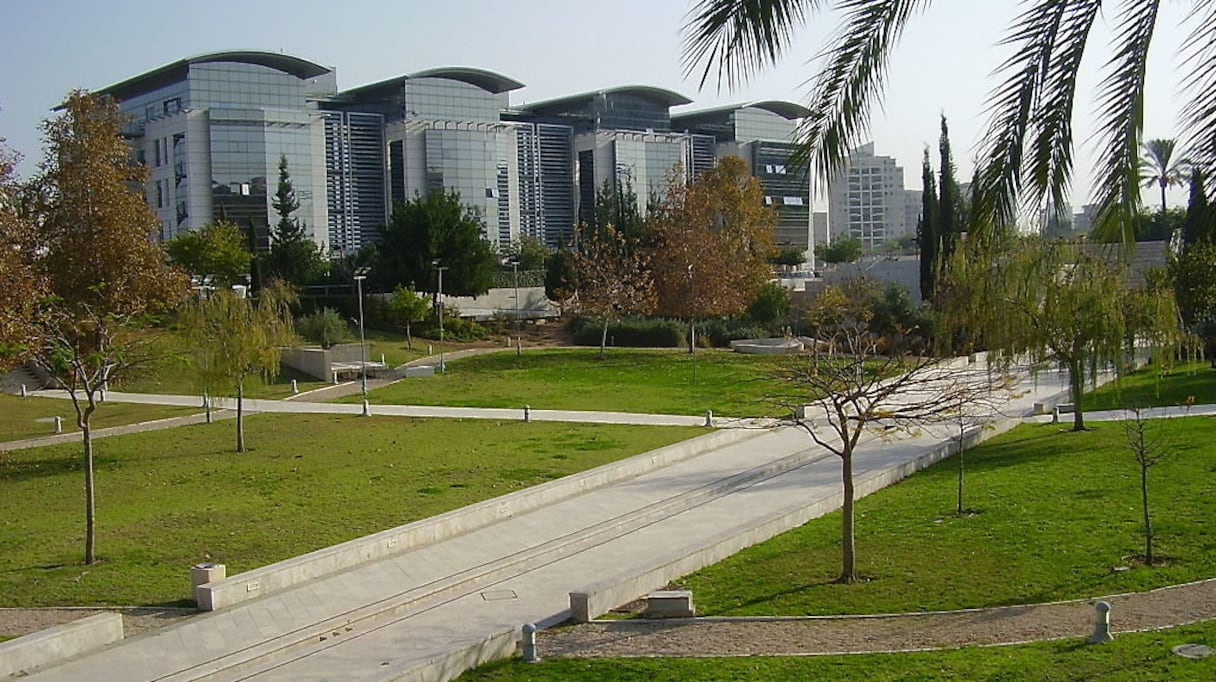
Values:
[(440, 268), (360, 275)]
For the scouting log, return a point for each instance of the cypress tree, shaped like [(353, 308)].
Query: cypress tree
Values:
[(926, 230), (1198, 226)]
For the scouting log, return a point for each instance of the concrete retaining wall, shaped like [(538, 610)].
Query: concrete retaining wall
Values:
[(60, 642), (291, 572), (453, 664), (598, 599)]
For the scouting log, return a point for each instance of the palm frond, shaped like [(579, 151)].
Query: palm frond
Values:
[(1121, 123), (1032, 106), (1198, 54), (739, 37), (851, 82)]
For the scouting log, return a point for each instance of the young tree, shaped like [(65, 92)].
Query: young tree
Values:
[(856, 380), (408, 307), (614, 280), (104, 269), (710, 242), (1149, 450), (234, 338), (1193, 273), (436, 226), (216, 249), (293, 257)]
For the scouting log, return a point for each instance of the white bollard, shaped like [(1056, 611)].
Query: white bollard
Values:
[(23, 390), (1102, 626), (709, 417), (295, 387), (527, 413), (58, 424), (529, 651), (367, 409), (335, 377)]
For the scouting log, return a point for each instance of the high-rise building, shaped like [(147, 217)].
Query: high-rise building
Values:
[(867, 199), (623, 136), (212, 128), (763, 134)]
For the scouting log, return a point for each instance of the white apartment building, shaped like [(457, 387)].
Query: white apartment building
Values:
[(868, 200)]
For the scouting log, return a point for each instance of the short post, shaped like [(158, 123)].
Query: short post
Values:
[(1102, 626), (1055, 415), (382, 360), (58, 424), (23, 390), (335, 378), (295, 386), (530, 652), (367, 409), (709, 417), (527, 413)]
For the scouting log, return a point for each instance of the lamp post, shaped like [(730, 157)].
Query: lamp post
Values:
[(440, 268), (513, 261), (360, 275)]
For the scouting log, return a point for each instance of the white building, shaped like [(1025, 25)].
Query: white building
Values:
[(868, 201)]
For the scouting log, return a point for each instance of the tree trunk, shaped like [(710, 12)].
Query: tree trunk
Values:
[(1148, 523), (409, 338), (1076, 389), (240, 416), (604, 338), (1163, 182), (962, 451), (848, 568), (90, 498)]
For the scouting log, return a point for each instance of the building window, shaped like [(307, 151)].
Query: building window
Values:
[(172, 106)]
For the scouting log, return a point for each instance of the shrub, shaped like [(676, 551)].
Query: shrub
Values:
[(722, 331), (630, 332), (324, 327)]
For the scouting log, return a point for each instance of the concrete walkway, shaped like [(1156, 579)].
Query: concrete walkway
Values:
[(431, 612)]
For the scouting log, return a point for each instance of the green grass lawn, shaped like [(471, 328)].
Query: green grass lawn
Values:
[(1131, 657), (393, 347), (167, 500), (1150, 388), (34, 416), (626, 380), (1058, 512)]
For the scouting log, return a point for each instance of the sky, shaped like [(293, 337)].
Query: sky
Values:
[(944, 63)]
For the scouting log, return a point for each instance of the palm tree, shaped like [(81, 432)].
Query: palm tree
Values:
[(1159, 167), (1027, 155)]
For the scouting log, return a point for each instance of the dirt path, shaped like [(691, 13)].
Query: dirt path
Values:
[(1165, 607)]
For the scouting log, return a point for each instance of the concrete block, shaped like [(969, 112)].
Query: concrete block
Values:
[(58, 643), (670, 604)]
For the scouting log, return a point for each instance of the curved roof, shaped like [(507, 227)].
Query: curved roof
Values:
[(176, 71), (489, 81), (663, 96), (783, 108)]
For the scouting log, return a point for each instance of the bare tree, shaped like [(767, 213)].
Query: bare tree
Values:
[(854, 380), (613, 278), (1149, 449)]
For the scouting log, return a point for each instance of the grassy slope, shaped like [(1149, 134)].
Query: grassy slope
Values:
[(1149, 388), (1130, 658), (1058, 512), (625, 380), (21, 416), (167, 500)]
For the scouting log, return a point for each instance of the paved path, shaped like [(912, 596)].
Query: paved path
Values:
[(392, 618)]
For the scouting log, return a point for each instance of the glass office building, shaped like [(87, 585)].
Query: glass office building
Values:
[(762, 134), (212, 128)]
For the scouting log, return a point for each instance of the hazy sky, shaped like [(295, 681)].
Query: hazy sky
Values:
[(555, 47)]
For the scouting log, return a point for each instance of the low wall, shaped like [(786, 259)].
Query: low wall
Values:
[(312, 361), (453, 664), (600, 598), (291, 572), (60, 642)]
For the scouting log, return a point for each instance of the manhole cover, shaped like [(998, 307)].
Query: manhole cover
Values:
[(499, 595), (1193, 650)]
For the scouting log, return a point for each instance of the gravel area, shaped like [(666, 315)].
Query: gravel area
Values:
[(1165, 607), (135, 619)]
